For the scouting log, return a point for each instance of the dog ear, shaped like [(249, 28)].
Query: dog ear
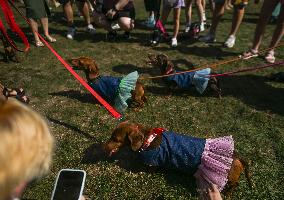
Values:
[(136, 139)]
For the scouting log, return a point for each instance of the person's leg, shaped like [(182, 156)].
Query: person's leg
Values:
[(44, 23), (34, 27), (165, 13), (200, 13), (277, 36), (126, 23), (212, 5), (85, 10), (217, 15), (188, 10), (266, 10), (68, 11), (237, 19), (176, 21)]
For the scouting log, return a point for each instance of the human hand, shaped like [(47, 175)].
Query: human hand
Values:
[(110, 14), (211, 193)]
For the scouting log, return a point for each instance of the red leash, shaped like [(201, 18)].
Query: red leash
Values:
[(13, 25), (70, 69), (248, 69)]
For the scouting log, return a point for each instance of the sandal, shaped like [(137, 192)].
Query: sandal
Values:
[(23, 99), (270, 58), (249, 54), (50, 39), (39, 44)]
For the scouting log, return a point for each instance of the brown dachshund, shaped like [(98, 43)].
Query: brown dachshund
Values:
[(157, 147), (10, 53), (199, 79), (108, 87)]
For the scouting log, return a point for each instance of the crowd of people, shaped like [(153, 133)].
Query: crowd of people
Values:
[(26, 144), (120, 14)]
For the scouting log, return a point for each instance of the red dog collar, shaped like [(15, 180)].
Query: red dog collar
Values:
[(151, 137)]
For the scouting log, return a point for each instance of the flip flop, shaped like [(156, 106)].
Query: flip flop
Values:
[(249, 54)]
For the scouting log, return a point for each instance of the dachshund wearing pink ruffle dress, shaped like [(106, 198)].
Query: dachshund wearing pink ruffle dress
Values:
[(211, 161)]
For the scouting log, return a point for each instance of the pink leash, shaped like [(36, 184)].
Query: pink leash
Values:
[(114, 113), (248, 69)]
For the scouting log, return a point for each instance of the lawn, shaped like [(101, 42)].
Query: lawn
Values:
[(251, 108)]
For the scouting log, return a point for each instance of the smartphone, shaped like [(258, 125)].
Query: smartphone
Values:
[(69, 184)]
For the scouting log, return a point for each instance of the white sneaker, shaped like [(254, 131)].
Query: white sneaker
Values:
[(202, 27), (230, 42), (174, 42), (209, 38), (71, 32), (187, 27), (91, 29), (115, 26)]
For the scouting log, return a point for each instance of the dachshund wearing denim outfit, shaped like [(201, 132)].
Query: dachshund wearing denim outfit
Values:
[(115, 90), (200, 79), (210, 161)]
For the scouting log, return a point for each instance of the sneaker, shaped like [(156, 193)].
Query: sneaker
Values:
[(202, 27), (174, 42), (270, 58), (230, 42), (115, 26), (209, 38), (187, 27), (150, 22), (112, 35), (71, 32), (91, 29)]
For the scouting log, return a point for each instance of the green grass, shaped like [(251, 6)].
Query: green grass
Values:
[(251, 109)]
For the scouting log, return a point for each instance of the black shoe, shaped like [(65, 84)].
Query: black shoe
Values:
[(126, 35), (112, 35)]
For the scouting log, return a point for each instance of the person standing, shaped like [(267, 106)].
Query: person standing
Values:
[(38, 10)]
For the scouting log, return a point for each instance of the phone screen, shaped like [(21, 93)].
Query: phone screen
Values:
[(69, 185)]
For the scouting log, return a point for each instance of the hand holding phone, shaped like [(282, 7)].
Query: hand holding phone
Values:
[(69, 185)]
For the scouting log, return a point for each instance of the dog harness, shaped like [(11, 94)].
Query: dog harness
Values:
[(106, 86), (175, 151), (198, 79)]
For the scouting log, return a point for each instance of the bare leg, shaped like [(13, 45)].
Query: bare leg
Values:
[(84, 9), (217, 15), (176, 21), (126, 23), (34, 27), (237, 19), (279, 31), (188, 10), (266, 11), (200, 10), (68, 11)]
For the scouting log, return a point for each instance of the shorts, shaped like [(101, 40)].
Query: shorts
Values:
[(174, 3), (129, 12), (152, 5)]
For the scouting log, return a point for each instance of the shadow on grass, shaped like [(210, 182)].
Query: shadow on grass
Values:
[(74, 94), (254, 91), (71, 127), (130, 161)]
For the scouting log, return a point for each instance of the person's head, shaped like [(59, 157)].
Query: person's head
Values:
[(26, 147)]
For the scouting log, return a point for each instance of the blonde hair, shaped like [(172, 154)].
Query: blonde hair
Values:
[(26, 146)]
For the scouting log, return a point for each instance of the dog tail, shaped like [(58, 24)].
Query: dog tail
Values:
[(246, 163)]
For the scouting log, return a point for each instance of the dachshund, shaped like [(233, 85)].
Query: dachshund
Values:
[(209, 160), (201, 79), (113, 89), (10, 53)]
